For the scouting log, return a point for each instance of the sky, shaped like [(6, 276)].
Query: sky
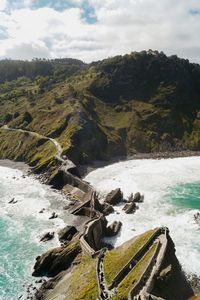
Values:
[(95, 29)]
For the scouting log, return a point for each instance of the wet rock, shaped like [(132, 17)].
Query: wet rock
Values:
[(114, 197), (129, 208), (107, 209), (47, 236), (197, 218), (42, 210), (67, 233), (138, 197), (12, 201), (113, 229), (53, 216)]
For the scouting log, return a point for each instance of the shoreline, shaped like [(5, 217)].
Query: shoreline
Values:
[(86, 169), (21, 166), (98, 164)]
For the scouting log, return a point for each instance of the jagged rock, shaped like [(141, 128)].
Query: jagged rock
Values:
[(197, 218), (12, 201), (107, 209), (129, 208), (113, 229), (53, 216), (67, 233), (138, 197), (56, 260), (114, 197), (130, 198), (47, 236), (95, 232)]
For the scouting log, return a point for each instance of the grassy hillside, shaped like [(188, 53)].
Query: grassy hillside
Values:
[(142, 102)]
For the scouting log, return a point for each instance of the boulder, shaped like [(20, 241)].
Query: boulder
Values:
[(13, 201), (138, 197), (114, 197), (47, 236), (113, 229), (130, 198), (56, 260), (53, 216), (107, 209), (67, 233), (130, 208)]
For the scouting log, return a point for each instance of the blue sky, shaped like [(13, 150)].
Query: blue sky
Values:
[(95, 29)]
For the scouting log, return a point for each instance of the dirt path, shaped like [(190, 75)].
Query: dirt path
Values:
[(33, 133)]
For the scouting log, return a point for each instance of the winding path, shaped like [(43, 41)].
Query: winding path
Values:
[(40, 136), (142, 289)]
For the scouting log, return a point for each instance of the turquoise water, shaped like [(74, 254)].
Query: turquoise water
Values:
[(171, 189), (21, 227), (16, 256), (185, 195)]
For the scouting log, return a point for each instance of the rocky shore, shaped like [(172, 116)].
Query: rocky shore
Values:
[(86, 239)]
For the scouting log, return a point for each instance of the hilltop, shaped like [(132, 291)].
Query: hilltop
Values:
[(137, 103)]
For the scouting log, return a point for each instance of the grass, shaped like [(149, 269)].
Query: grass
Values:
[(120, 256), (25, 147), (82, 283), (131, 279)]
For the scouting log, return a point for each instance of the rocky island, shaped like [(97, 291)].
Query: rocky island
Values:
[(62, 116)]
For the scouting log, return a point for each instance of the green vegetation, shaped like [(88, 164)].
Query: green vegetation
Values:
[(116, 259), (131, 279), (79, 284), (142, 102), (23, 146)]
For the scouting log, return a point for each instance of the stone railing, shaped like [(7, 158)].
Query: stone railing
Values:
[(104, 293), (87, 235), (134, 260), (143, 289)]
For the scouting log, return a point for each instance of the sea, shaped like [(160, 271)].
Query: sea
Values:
[(22, 226), (171, 189)]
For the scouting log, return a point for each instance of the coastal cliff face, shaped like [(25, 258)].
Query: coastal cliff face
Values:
[(142, 102), (124, 274)]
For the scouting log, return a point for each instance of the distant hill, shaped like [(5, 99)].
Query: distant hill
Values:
[(12, 69), (141, 102)]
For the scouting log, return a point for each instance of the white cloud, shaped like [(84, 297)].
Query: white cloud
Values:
[(3, 4), (121, 27)]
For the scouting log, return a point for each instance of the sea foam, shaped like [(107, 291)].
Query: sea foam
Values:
[(154, 179), (22, 226)]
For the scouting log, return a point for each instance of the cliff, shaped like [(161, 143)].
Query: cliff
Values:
[(141, 102), (125, 272)]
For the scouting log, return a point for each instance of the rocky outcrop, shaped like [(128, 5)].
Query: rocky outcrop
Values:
[(113, 229), (56, 260), (47, 236), (67, 233), (137, 197), (130, 208), (114, 197), (171, 282), (107, 209)]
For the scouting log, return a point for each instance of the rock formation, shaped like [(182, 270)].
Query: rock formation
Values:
[(56, 260), (67, 233), (114, 197), (113, 229)]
